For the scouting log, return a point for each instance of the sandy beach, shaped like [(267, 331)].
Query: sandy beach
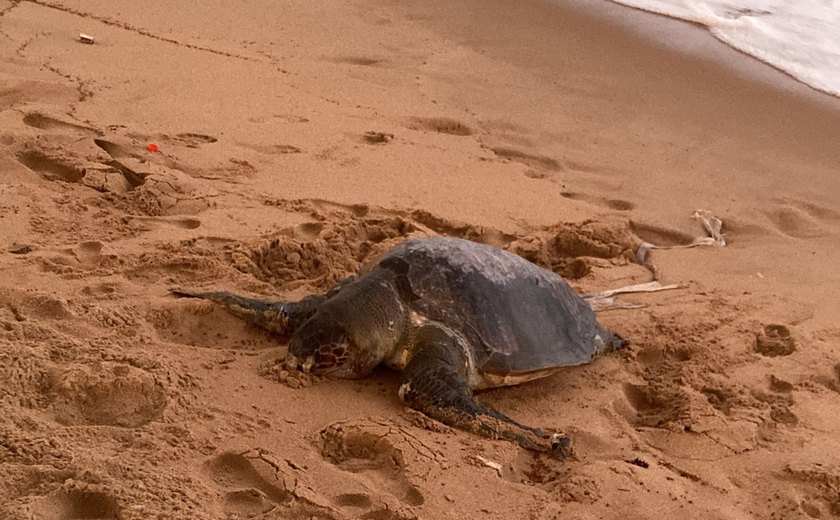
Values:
[(274, 149)]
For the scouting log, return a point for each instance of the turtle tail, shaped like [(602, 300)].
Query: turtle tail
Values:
[(278, 317)]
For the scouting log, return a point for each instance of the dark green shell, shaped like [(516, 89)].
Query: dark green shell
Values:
[(516, 316)]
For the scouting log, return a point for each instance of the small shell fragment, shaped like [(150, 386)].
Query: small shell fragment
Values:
[(86, 38), (490, 464)]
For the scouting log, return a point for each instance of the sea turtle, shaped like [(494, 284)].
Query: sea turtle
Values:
[(454, 316)]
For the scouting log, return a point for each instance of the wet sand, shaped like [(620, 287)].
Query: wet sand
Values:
[(297, 143)]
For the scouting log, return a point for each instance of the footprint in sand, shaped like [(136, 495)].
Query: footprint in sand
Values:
[(114, 150), (802, 219), (659, 235), (272, 149), (818, 483), (537, 174), (373, 137), (617, 204), (774, 341), (782, 413), (309, 230), (794, 222), (363, 61), (353, 449), (779, 385), (172, 268), (67, 166), (358, 505), (86, 254), (44, 122), (657, 404), (120, 159), (358, 500), (101, 290), (177, 222), (656, 356), (192, 140), (721, 398), (259, 484), (109, 394), (357, 210), (51, 168), (441, 125), (26, 306), (76, 503), (243, 490), (733, 402), (534, 161)]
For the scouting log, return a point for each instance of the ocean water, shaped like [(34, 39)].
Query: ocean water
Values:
[(799, 37)]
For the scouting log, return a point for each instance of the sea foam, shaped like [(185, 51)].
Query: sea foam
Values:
[(799, 37)]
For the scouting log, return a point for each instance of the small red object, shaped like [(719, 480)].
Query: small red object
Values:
[(152, 147)]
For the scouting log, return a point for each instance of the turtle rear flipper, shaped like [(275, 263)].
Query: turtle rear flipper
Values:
[(435, 383), (278, 317)]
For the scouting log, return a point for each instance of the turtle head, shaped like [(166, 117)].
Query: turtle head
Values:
[(323, 347)]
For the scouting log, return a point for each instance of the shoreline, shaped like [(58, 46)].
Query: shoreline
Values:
[(755, 115), (698, 42), (760, 73)]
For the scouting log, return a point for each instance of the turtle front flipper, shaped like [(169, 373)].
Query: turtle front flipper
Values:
[(435, 383), (278, 317)]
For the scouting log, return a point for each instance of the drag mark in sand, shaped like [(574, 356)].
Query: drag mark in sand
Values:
[(12, 5), (141, 32), (84, 92)]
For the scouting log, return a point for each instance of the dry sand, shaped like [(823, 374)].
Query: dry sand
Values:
[(547, 129)]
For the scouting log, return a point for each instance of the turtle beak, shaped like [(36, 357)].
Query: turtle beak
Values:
[(295, 363)]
